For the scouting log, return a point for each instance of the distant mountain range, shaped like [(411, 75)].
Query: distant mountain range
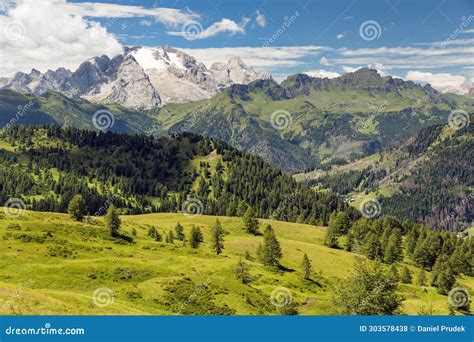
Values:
[(141, 77), (301, 124)]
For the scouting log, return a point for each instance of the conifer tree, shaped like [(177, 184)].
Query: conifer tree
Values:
[(421, 279), (271, 250), (196, 237), (217, 237), (179, 230), (250, 221), (242, 272), (406, 276), (394, 274), (77, 208), (112, 221), (306, 267)]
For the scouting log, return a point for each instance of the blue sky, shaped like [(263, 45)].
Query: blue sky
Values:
[(426, 41)]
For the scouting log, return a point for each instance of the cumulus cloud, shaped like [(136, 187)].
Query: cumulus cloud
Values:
[(225, 25), (340, 36), (321, 73), (260, 19), (324, 61), (50, 38), (440, 81)]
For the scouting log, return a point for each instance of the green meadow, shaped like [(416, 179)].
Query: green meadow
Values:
[(50, 264)]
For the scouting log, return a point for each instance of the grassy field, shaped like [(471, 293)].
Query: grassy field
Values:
[(50, 264)]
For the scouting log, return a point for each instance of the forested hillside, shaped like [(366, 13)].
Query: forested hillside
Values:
[(46, 166), (429, 178)]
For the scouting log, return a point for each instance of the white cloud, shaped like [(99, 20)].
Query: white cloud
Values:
[(440, 81), (324, 61), (146, 23), (322, 73), (170, 17), (340, 36), (225, 25), (261, 58), (50, 38), (260, 19)]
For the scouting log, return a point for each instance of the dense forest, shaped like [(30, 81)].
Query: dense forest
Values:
[(46, 166), (431, 177)]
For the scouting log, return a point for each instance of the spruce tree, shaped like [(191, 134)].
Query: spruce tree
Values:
[(349, 242), (306, 267), (331, 238), (271, 250), (242, 272), (406, 276), (445, 281), (77, 208), (179, 230), (196, 237), (217, 237), (250, 221), (421, 278), (394, 274), (112, 221)]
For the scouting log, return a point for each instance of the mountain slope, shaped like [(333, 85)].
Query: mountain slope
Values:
[(140, 77), (47, 166), (311, 121), (428, 178)]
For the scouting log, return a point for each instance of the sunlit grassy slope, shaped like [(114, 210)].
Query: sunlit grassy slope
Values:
[(50, 264)]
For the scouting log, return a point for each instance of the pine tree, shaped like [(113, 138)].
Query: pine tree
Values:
[(406, 276), (369, 291), (421, 279), (77, 208), (196, 237), (152, 232), (445, 281), (271, 250), (217, 237), (339, 222), (170, 237), (179, 230), (242, 208), (393, 250), (250, 221), (372, 247), (394, 274), (112, 221), (349, 242), (307, 267), (158, 237), (331, 238), (242, 272)]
